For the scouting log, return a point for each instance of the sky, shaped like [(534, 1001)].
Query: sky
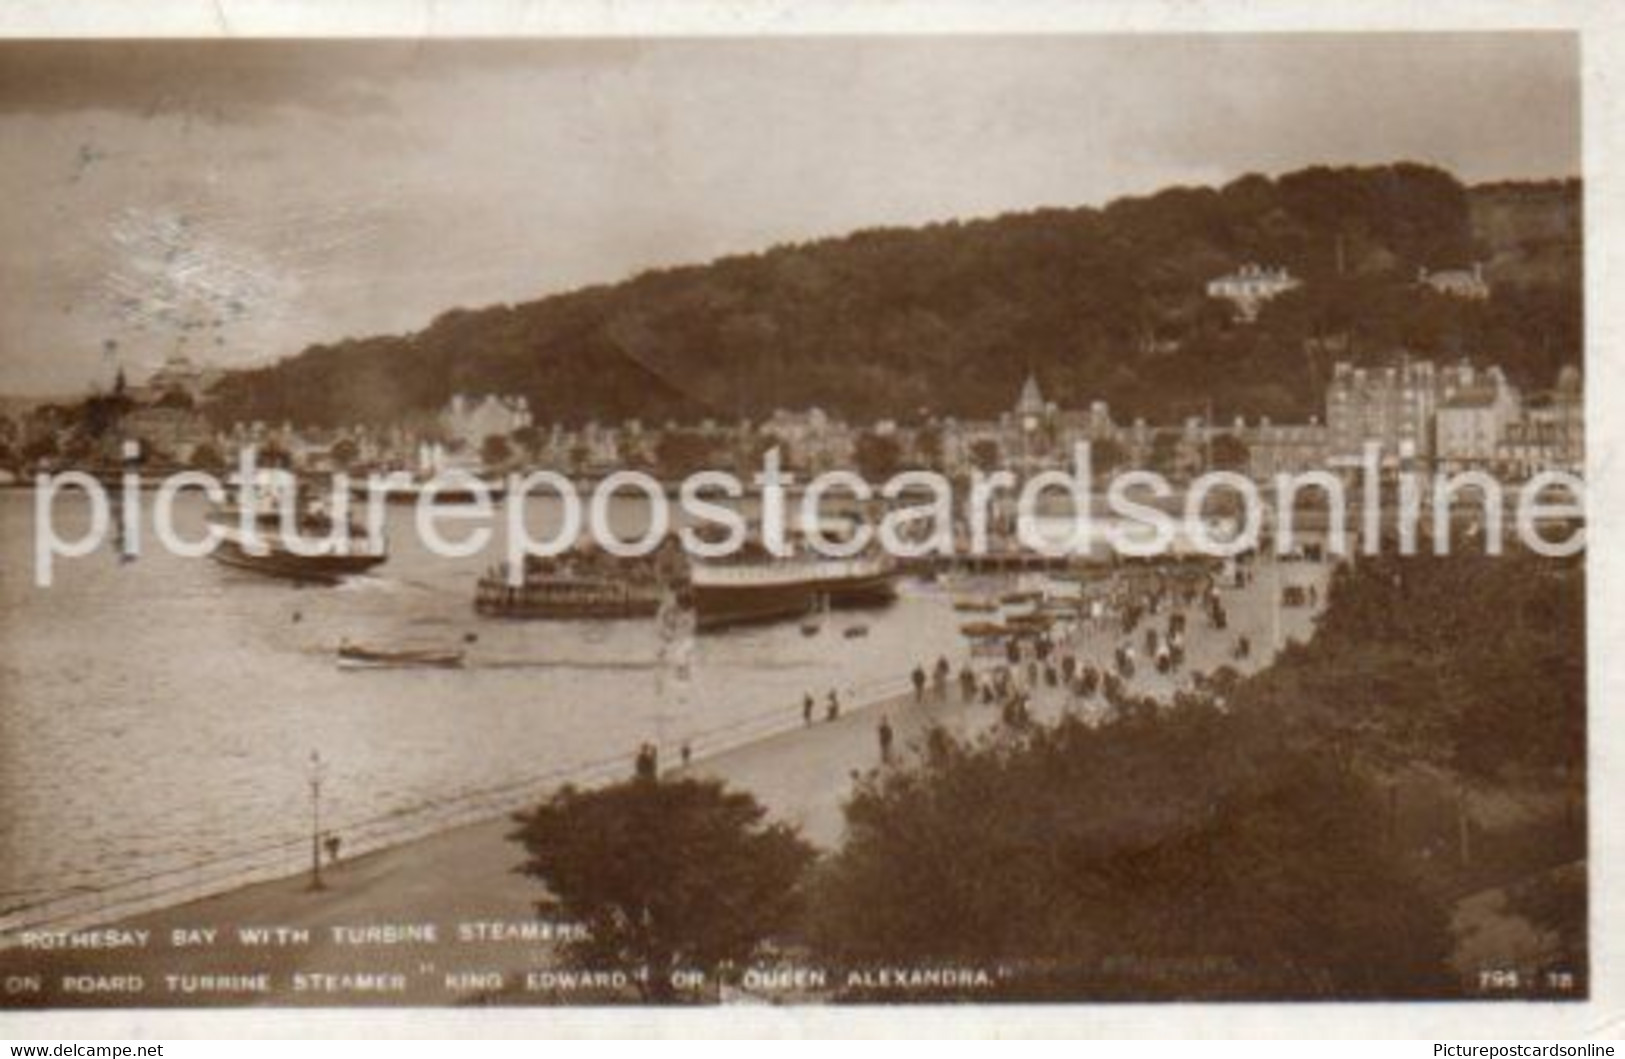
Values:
[(237, 201)]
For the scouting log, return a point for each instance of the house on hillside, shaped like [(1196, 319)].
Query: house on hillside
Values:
[(1457, 282), (1249, 287)]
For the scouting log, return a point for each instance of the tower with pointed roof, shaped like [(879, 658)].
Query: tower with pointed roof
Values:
[(1031, 402)]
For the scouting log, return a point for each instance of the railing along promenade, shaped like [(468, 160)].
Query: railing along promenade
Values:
[(288, 858)]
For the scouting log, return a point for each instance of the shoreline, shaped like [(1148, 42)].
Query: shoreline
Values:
[(448, 883)]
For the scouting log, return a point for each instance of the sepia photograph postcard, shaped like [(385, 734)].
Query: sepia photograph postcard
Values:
[(1029, 519)]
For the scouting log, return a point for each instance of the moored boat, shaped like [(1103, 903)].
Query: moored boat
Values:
[(584, 584), (355, 657), (400, 487), (757, 585), (759, 588), (270, 530)]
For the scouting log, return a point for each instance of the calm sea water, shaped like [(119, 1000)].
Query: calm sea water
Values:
[(161, 711)]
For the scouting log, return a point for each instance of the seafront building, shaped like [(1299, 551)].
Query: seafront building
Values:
[(1282, 448), (969, 444), (1417, 415), (167, 433), (1390, 407), (1029, 429), (1455, 418), (469, 421), (811, 440), (1473, 417), (1550, 434)]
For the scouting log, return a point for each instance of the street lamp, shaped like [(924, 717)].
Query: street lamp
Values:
[(317, 771)]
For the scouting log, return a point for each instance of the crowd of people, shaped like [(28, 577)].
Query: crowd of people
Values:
[(1148, 616)]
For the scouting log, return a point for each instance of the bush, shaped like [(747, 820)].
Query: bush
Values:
[(664, 875)]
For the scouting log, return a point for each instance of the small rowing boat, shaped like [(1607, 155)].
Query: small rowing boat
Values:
[(352, 657)]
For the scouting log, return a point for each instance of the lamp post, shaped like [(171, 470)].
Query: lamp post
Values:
[(317, 772), (1275, 605)]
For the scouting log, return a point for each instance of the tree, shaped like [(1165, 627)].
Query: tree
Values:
[(928, 447), (495, 450), (1107, 455), (272, 455), (1095, 856), (179, 400), (100, 414), (80, 448), (1230, 453), (985, 455), (664, 874), (345, 452), (41, 448), (1165, 452), (680, 453), (529, 439), (206, 457), (1470, 662), (877, 456), (750, 451)]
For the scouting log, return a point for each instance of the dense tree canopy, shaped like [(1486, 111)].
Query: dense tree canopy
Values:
[(1156, 856), (1475, 663), (1100, 303)]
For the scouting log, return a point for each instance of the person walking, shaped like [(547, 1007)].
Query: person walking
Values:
[(885, 733), (919, 684), (807, 709), (833, 710), (648, 762)]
